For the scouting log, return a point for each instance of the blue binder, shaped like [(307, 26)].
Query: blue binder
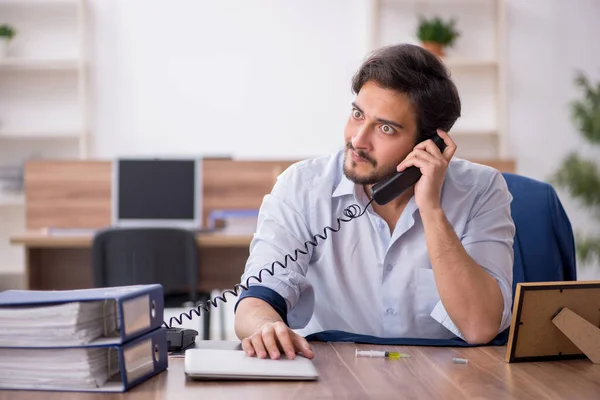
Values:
[(137, 309), (134, 362)]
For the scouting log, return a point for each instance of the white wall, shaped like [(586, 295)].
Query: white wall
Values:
[(266, 78)]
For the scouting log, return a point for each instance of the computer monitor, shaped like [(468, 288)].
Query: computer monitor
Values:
[(157, 192)]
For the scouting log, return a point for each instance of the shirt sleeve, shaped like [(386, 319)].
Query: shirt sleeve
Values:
[(488, 239), (281, 229)]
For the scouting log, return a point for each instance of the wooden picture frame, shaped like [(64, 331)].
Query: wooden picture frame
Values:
[(555, 321)]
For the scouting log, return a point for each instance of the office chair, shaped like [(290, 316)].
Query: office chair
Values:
[(544, 244), (168, 256)]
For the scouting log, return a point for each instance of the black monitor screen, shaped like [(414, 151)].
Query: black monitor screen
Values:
[(156, 189)]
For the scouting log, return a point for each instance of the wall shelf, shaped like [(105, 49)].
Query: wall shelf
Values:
[(14, 64), (474, 133), (41, 134), (435, 2), (11, 200), (38, 2), (466, 63), (44, 107)]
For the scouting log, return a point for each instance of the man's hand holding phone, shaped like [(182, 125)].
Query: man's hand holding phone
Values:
[(433, 165)]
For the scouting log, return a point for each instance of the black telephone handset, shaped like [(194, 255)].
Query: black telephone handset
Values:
[(385, 191)]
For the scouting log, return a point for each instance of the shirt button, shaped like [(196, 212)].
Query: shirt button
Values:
[(381, 225), (389, 267), (389, 311)]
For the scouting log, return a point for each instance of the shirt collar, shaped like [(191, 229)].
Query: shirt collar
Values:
[(344, 187)]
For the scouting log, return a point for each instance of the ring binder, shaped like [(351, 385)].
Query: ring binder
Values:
[(138, 309), (136, 362)]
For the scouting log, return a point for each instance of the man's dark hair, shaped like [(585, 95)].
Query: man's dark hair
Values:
[(419, 74)]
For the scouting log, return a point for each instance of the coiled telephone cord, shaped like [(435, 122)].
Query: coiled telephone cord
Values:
[(351, 212)]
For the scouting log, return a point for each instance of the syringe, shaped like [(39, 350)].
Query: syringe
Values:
[(383, 354)]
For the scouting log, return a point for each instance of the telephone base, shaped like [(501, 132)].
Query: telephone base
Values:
[(179, 339)]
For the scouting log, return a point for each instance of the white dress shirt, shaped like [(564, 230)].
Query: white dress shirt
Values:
[(364, 279)]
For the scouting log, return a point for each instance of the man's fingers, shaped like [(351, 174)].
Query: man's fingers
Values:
[(259, 346), (420, 153), (431, 147), (274, 338), (247, 347), (285, 340), (413, 161), (268, 336), (410, 156), (303, 346), (450, 145)]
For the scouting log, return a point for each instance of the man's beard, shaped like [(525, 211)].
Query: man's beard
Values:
[(373, 177)]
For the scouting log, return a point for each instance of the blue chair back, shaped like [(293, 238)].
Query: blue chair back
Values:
[(544, 244)]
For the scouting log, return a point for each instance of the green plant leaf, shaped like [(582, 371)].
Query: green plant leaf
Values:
[(581, 178), (436, 30), (7, 31), (585, 112), (588, 249)]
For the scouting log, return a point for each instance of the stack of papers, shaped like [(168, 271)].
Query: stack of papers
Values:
[(68, 324), (33, 337), (72, 368)]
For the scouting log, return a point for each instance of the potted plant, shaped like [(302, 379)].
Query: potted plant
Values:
[(579, 174), (7, 32), (436, 34)]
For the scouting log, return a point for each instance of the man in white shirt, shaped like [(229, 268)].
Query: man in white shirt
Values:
[(436, 262)]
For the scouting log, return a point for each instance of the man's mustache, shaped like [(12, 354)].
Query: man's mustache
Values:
[(362, 154)]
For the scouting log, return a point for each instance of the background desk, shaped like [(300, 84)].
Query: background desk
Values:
[(65, 262), (76, 194), (428, 374)]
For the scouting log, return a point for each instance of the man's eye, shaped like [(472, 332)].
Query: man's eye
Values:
[(387, 129), (356, 114)]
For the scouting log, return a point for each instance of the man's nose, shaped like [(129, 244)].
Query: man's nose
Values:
[(361, 139)]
